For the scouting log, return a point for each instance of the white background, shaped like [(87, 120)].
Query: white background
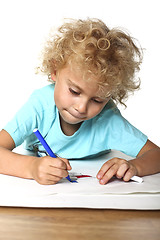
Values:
[(24, 25)]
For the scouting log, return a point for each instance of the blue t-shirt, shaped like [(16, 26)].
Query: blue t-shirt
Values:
[(108, 130)]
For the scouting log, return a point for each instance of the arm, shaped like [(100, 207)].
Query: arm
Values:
[(147, 162), (45, 170), (148, 159)]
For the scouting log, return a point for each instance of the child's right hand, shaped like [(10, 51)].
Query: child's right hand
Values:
[(47, 170)]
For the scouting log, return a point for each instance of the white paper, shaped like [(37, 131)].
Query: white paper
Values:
[(16, 191)]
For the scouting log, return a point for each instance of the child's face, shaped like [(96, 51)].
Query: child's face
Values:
[(76, 99)]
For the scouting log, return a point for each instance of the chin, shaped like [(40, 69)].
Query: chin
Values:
[(73, 122), (68, 118)]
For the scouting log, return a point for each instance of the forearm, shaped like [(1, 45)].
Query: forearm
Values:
[(15, 164), (148, 163)]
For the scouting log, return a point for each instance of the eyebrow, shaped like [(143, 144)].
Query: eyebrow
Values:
[(75, 85)]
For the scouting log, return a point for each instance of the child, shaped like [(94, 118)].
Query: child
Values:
[(90, 67)]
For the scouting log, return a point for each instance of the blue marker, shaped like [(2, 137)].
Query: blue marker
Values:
[(47, 147)]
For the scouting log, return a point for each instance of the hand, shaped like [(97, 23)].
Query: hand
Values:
[(116, 166), (47, 170)]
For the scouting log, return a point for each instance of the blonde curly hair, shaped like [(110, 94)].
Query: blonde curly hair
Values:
[(109, 54)]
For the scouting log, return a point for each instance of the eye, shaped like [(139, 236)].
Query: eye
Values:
[(73, 91), (97, 101)]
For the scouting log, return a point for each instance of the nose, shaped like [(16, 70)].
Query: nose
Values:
[(81, 107)]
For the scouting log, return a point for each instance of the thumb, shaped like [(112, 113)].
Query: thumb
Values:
[(67, 163)]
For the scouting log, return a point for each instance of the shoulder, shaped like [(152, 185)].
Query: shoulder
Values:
[(106, 121), (44, 92), (109, 112), (43, 97), (110, 120)]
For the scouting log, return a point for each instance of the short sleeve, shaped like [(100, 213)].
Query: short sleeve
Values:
[(123, 136), (24, 121), (37, 112)]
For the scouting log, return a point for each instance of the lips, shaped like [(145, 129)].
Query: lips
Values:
[(76, 115)]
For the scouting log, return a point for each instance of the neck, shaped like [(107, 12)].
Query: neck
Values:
[(69, 129)]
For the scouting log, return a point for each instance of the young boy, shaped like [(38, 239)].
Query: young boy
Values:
[(90, 67)]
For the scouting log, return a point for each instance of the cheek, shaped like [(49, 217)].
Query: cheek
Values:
[(61, 96), (56, 95), (95, 110)]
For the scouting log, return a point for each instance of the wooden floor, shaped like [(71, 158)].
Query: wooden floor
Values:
[(74, 224)]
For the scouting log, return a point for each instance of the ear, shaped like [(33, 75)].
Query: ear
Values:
[(53, 76)]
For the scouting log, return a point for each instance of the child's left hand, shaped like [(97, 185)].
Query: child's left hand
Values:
[(116, 166)]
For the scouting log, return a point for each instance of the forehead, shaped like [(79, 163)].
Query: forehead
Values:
[(84, 81)]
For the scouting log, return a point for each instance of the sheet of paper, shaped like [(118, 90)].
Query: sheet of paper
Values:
[(89, 185), (22, 192)]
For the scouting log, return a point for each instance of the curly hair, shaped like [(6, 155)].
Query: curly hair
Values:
[(109, 54)]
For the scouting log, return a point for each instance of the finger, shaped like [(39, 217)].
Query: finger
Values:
[(109, 174), (57, 163), (58, 172), (67, 163), (130, 173), (48, 181), (106, 166), (122, 170), (52, 178)]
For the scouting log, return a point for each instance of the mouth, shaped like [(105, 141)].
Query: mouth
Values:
[(77, 115)]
